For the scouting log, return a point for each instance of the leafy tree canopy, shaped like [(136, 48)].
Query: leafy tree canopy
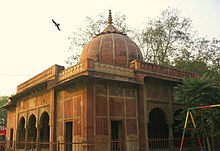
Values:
[(166, 35), (3, 112), (199, 92)]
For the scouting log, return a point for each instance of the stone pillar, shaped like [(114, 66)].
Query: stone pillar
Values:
[(147, 139), (17, 138), (38, 137), (141, 118), (27, 141), (53, 115), (171, 141), (170, 125), (146, 118), (88, 116)]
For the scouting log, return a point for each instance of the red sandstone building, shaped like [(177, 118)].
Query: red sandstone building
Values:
[(111, 94)]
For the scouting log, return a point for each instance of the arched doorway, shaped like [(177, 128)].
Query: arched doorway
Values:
[(158, 130), (32, 130), (44, 130), (21, 134), (157, 127)]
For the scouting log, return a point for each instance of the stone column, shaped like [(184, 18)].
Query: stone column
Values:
[(171, 141), (52, 123), (88, 119), (141, 118), (147, 139), (27, 141), (146, 118), (17, 138), (170, 125), (38, 137)]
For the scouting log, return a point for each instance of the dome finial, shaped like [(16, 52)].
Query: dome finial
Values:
[(110, 17)]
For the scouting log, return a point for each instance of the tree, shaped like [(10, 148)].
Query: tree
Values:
[(203, 56), (208, 50), (93, 27), (166, 36), (168, 40), (3, 112), (187, 61), (197, 92)]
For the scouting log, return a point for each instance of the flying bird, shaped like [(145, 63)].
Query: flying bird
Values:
[(56, 24)]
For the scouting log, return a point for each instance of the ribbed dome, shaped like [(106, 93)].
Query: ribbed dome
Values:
[(111, 47)]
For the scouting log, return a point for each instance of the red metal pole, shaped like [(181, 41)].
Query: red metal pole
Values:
[(182, 140)]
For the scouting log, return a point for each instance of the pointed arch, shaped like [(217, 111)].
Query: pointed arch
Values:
[(44, 129), (21, 133)]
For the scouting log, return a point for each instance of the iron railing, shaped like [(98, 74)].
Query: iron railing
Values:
[(153, 144)]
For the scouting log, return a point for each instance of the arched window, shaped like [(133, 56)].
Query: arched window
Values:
[(44, 130), (21, 134)]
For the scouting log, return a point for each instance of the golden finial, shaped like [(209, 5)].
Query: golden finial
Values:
[(110, 17)]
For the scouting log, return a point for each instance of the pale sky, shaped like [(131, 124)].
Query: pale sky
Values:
[(30, 43)]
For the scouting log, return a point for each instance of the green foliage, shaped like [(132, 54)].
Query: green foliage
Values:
[(203, 56), (196, 66), (201, 91), (165, 35), (3, 112), (208, 51), (198, 92), (171, 41)]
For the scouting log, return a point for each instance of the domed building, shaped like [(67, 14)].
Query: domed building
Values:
[(110, 100), (111, 47)]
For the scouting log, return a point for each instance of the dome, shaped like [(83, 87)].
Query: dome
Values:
[(111, 47)]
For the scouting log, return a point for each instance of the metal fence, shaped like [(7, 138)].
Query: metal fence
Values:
[(155, 144)]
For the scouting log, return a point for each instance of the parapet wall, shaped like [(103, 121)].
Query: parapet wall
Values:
[(60, 74), (48, 74)]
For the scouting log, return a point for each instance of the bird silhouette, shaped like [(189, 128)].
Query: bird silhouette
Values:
[(56, 24)]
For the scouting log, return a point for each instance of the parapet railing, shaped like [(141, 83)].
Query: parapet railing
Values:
[(158, 69), (45, 75)]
